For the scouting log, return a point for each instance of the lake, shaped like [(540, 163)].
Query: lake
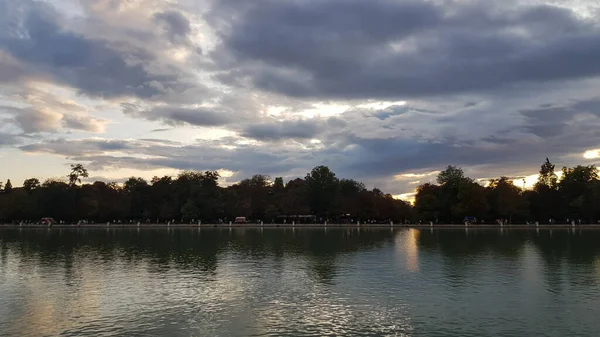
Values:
[(299, 282)]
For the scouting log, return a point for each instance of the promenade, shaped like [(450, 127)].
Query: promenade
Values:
[(300, 226)]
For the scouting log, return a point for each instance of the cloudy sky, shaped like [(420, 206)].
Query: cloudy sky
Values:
[(384, 91)]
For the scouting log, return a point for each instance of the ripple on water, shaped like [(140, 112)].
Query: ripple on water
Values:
[(371, 283)]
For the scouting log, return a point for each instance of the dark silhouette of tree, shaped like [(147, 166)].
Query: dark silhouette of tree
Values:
[(450, 181), (8, 187), (194, 195), (322, 187), (547, 177), (77, 172), (31, 184), (471, 200), (545, 201), (506, 199), (427, 202), (452, 176), (578, 187)]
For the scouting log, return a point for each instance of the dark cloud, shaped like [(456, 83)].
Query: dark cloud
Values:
[(380, 49), (176, 24), (97, 67), (494, 86), (547, 121), (290, 129)]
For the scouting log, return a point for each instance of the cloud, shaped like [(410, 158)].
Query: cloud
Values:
[(31, 120), (282, 130), (380, 49), (172, 115), (373, 89), (84, 123), (176, 24), (47, 112), (244, 159), (70, 148), (33, 35), (7, 139)]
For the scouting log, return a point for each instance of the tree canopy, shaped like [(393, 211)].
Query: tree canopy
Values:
[(575, 196), (194, 195), (197, 196)]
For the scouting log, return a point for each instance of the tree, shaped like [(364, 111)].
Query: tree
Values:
[(31, 184), (136, 190), (547, 177), (577, 188), (278, 184), (506, 199), (190, 210), (545, 201), (322, 188), (77, 172), (471, 200), (452, 176), (450, 181), (427, 203), (295, 199), (8, 187)]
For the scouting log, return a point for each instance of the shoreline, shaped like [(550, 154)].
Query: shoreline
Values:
[(301, 226)]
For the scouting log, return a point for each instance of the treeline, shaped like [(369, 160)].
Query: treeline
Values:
[(197, 196), (575, 197)]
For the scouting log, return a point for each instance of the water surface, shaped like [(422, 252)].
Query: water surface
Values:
[(302, 282)]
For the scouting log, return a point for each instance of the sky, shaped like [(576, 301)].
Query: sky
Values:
[(387, 92)]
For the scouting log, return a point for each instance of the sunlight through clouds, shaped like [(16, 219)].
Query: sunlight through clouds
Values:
[(591, 154)]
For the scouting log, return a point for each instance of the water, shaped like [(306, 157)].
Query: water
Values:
[(310, 282)]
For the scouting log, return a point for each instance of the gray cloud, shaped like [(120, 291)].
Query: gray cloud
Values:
[(290, 129), (358, 49), (151, 154), (34, 120), (97, 67), (560, 132), (83, 123), (492, 86), (31, 120), (7, 139), (178, 116), (176, 24), (71, 148)]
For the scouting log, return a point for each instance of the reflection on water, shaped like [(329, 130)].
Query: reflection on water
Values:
[(298, 282)]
